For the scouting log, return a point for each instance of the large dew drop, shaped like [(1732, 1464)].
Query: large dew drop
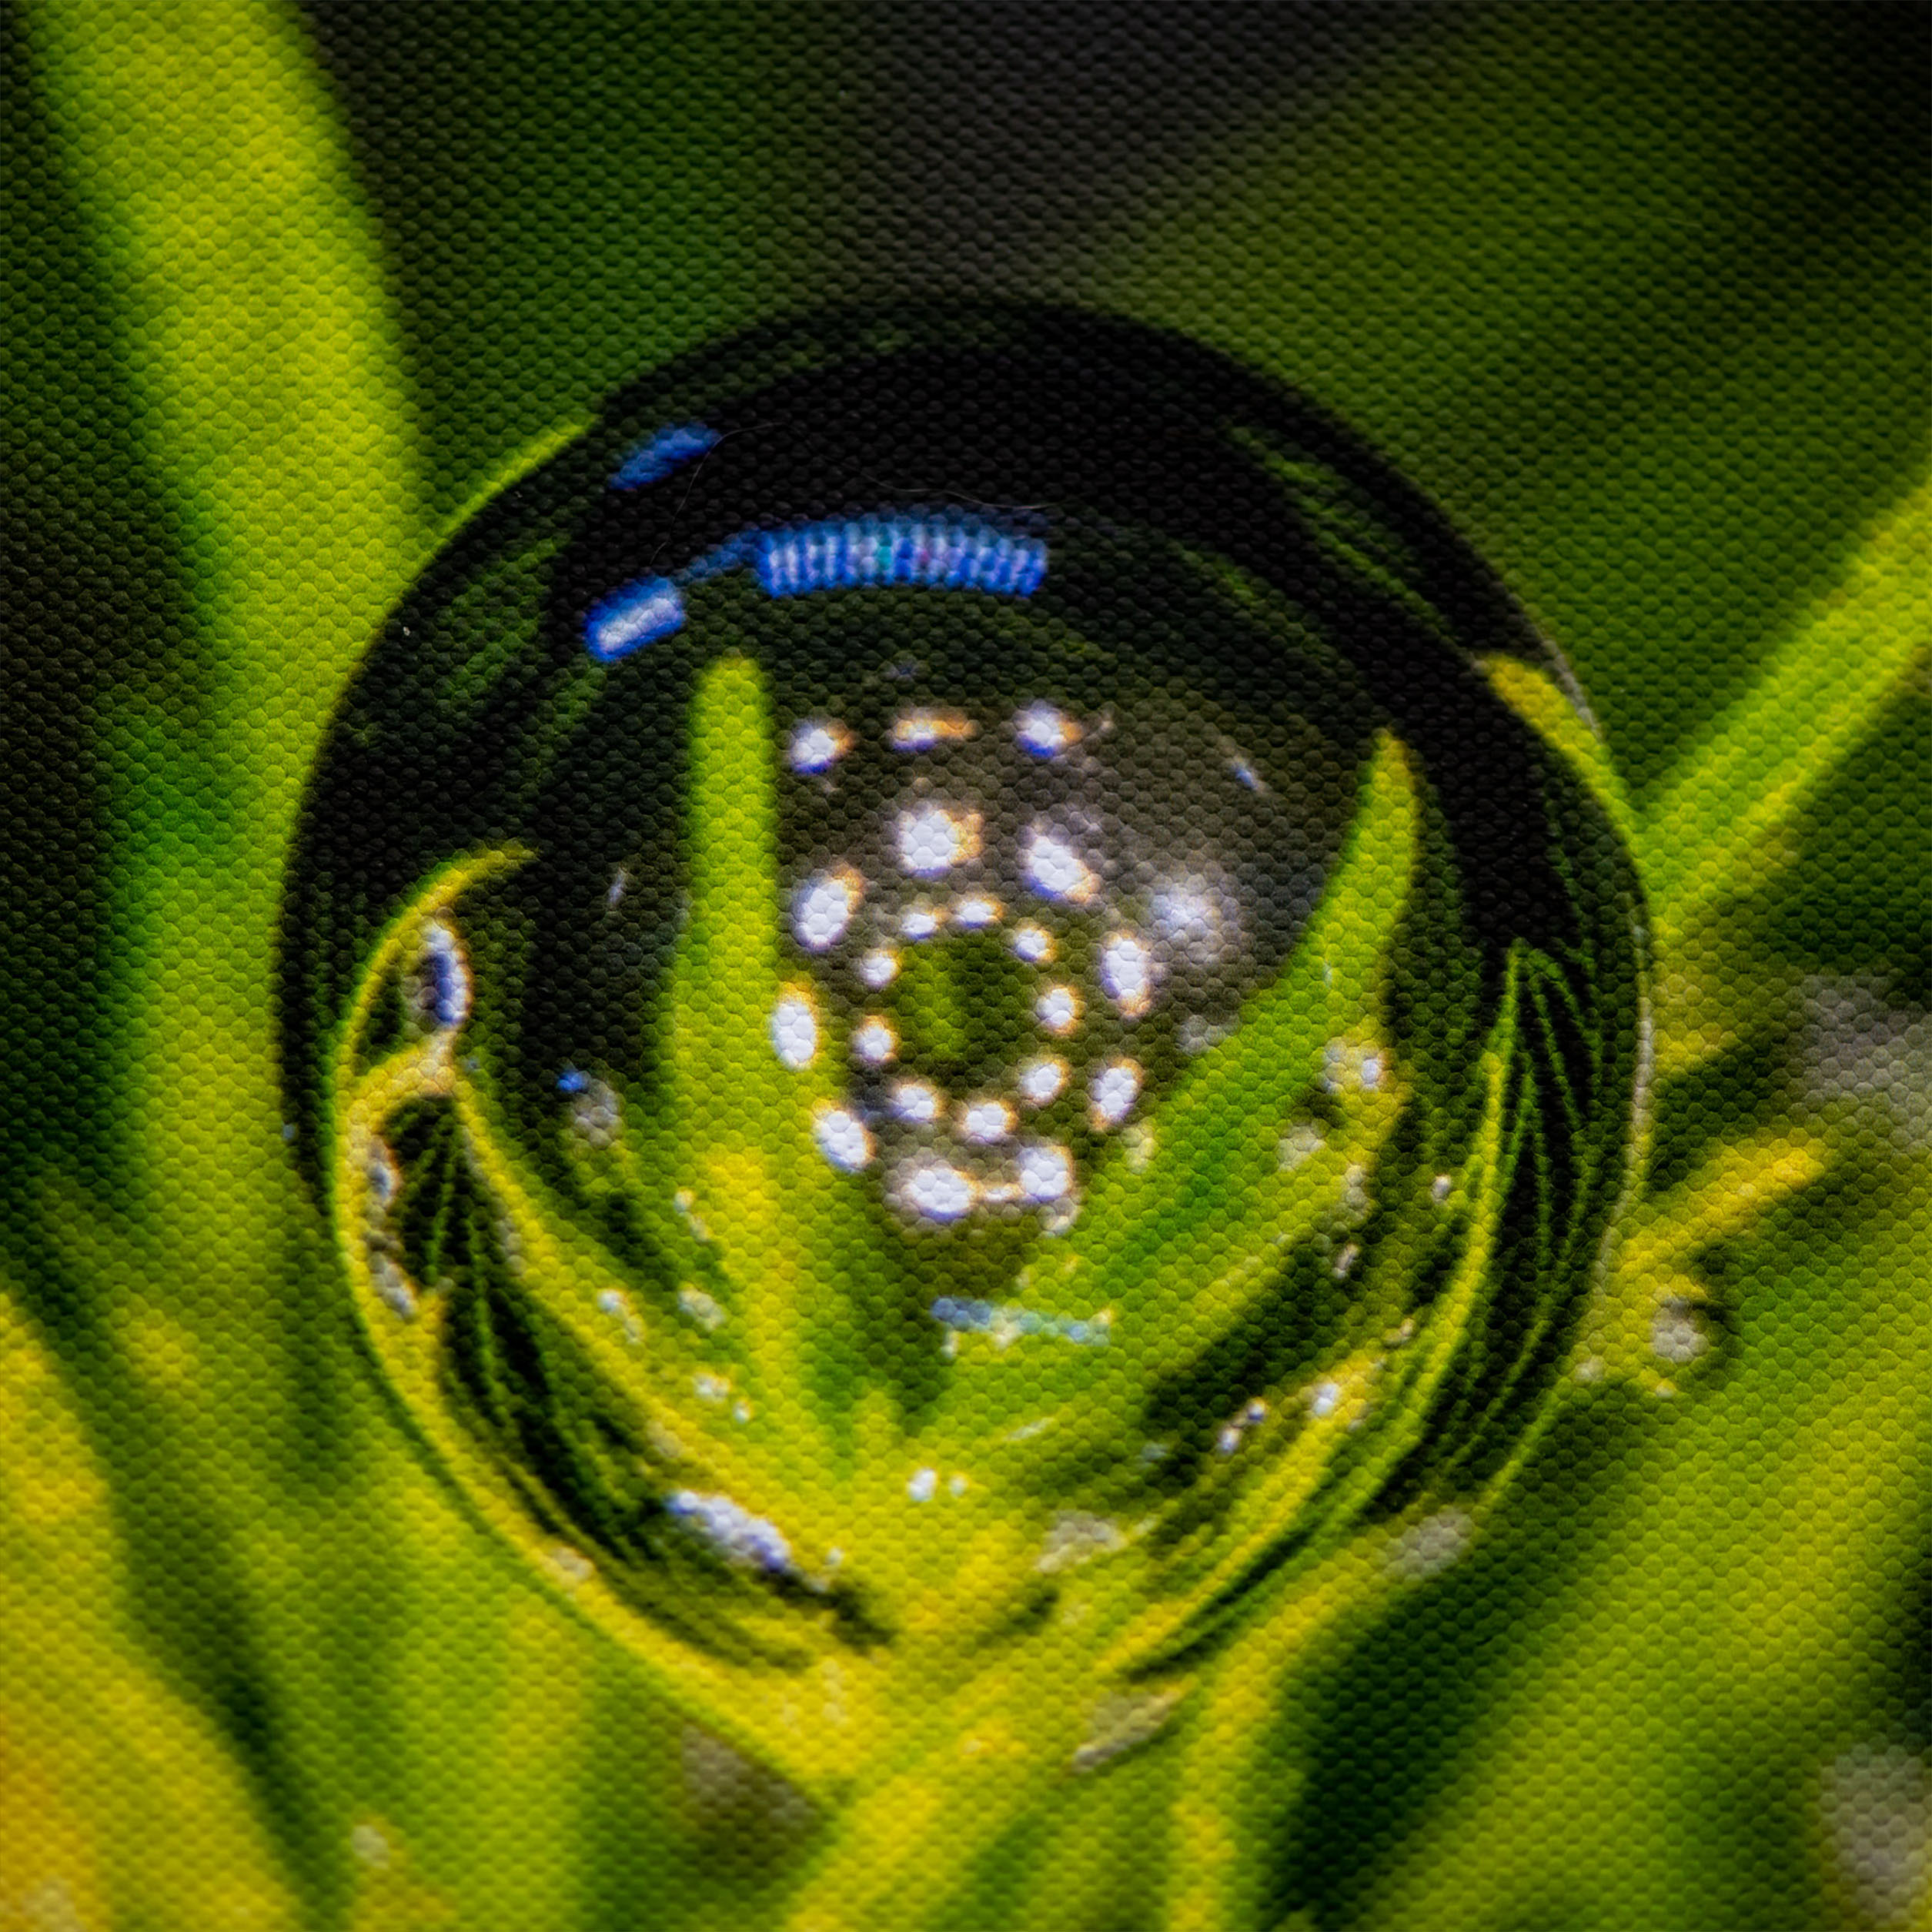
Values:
[(1013, 901)]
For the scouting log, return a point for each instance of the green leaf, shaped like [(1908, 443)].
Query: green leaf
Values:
[(121, 1805), (1171, 1249), (1712, 832)]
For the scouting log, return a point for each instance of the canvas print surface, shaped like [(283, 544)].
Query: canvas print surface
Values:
[(967, 968)]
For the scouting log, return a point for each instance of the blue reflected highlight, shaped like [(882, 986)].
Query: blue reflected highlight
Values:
[(628, 619), (945, 553), (1005, 1320), (668, 450)]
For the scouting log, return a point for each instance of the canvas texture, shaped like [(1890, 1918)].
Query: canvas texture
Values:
[(967, 968)]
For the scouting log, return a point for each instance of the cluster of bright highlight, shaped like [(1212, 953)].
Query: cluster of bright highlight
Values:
[(943, 872)]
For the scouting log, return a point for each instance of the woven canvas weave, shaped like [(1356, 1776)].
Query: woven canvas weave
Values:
[(966, 969)]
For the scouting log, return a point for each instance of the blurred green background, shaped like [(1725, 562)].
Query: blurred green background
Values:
[(1639, 292)]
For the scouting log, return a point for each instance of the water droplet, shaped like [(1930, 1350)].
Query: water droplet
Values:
[(794, 1029)]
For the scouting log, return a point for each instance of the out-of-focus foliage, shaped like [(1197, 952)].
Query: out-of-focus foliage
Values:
[(1637, 291)]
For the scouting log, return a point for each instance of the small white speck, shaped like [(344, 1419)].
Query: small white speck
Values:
[(924, 729), (1431, 1545), (1127, 973), (1044, 729), (842, 1136), (1187, 914), (1354, 1192), (1138, 1142), (921, 921), (1228, 1440), (923, 1486), (710, 1388), (818, 744), (917, 1102), (1057, 1010), (873, 1042), (794, 1029), (368, 1842), (1196, 1034), (1371, 1071), (701, 1308), (1034, 943), (384, 1176), (932, 838), (938, 1190), (1111, 1091), (1046, 1172), (394, 1287), (1677, 1332), (1325, 1399), (1041, 1082), (877, 968), (1438, 1188), (1054, 868), (976, 912), (956, 1485), (1344, 1261), (1301, 1143), (983, 1122), (823, 908)]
